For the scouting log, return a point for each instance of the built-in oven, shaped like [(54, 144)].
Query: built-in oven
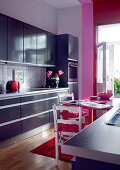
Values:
[(72, 71)]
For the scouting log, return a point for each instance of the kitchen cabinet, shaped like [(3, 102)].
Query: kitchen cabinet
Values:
[(30, 41), (35, 122), (73, 88), (67, 46), (41, 46), (3, 37), (40, 103), (32, 111), (33, 108), (15, 40), (10, 131), (72, 47), (24, 43), (51, 59), (9, 101), (8, 114), (33, 97), (67, 52)]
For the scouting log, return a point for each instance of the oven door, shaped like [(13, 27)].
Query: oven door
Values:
[(72, 73)]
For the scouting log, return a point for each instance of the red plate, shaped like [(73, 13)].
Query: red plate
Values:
[(93, 97)]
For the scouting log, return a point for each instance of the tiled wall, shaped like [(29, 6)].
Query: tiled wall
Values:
[(34, 77)]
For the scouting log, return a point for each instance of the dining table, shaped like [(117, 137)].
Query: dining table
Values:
[(91, 106)]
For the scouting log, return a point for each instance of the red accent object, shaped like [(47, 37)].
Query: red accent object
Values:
[(93, 97), (15, 85), (103, 95), (106, 12), (48, 149), (70, 114), (68, 128)]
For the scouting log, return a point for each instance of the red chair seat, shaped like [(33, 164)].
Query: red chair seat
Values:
[(68, 128), (70, 114)]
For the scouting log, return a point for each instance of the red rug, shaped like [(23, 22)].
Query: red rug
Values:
[(48, 149)]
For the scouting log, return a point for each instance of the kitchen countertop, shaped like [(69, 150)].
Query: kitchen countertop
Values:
[(98, 141), (10, 94)]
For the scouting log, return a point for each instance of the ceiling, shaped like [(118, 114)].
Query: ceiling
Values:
[(58, 4)]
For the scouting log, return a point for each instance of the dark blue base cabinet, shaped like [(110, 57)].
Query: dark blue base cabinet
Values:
[(29, 114), (85, 164), (35, 122), (8, 114), (10, 131)]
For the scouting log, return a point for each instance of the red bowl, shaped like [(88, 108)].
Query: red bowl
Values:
[(105, 95)]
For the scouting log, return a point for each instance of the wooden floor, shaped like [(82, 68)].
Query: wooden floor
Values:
[(19, 157)]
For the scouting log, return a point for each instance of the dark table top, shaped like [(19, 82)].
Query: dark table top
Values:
[(98, 141)]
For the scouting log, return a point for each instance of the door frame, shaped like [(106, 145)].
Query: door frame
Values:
[(103, 44)]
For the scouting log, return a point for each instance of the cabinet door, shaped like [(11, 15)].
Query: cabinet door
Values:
[(9, 101), (51, 49), (32, 109), (11, 130), (35, 122), (73, 88), (3, 37), (73, 47), (41, 47), (29, 43), (15, 40)]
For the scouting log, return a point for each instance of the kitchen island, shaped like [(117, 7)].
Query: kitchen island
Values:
[(96, 147), (26, 113)]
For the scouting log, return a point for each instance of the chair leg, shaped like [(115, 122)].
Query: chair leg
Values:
[(56, 148)]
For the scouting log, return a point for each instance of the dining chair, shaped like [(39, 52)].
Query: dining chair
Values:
[(61, 96), (65, 129), (70, 114)]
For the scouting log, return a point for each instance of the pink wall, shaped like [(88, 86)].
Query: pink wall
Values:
[(85, 1), (35, 12), (87, 48)]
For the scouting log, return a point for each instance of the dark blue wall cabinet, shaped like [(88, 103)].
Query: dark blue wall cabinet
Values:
[(67, 46), (72, 47), (51, 60), (67, 51), (24, 43), (3, 37), (15, 40), (41, 46), (30, 41)]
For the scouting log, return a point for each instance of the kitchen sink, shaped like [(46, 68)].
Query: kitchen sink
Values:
[(115, 120)]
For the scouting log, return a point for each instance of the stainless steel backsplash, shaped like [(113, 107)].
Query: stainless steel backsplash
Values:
[(34, 77)]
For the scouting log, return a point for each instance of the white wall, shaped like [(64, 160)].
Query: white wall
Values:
[(35, 12), (70, 21)]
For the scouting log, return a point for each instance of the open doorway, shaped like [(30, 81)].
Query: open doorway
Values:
[(108, 58)]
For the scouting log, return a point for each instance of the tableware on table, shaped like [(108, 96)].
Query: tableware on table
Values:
[(104, 95), (93, 97)]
